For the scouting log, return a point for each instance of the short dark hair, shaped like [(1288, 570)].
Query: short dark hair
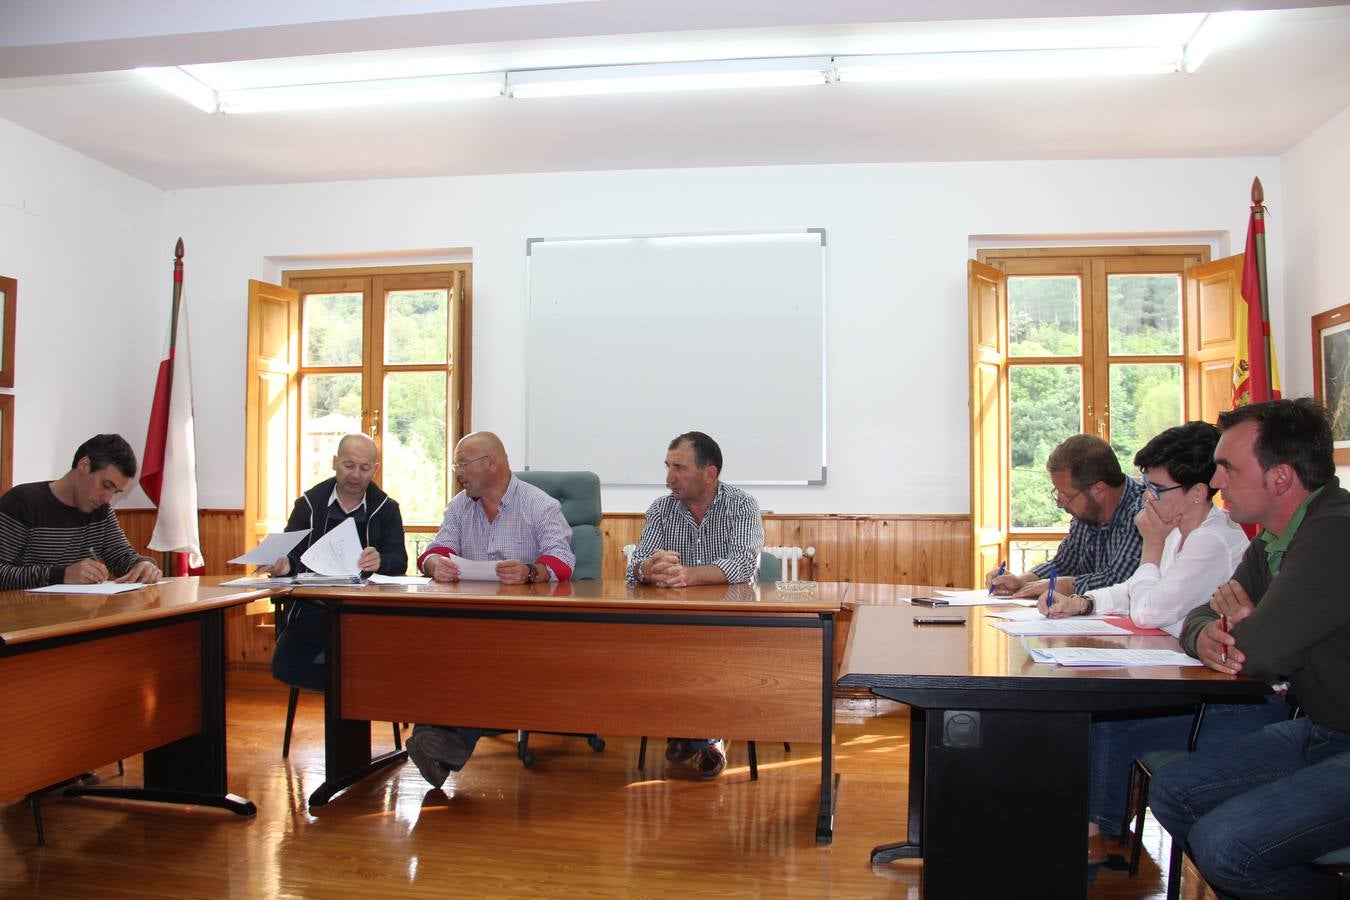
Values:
[(1088, 459), (706, 451), (1185, 452), (1296, 433), (106, 450)]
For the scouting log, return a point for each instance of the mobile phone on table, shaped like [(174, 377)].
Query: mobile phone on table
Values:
[(928, 601), (939, 620)]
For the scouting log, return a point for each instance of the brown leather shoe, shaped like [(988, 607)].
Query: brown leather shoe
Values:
[(1096, 854), (679, 750)]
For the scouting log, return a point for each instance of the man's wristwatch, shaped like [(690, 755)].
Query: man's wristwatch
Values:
[(530, 575), (1091, 607)]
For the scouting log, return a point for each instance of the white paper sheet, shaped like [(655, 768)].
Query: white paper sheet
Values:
[(1115, 658), (377, 578), (272, 548), (980, 598), (475, 569), (1029, 615), (103, 587), (336, 553), (1075, 625), (252, 581)]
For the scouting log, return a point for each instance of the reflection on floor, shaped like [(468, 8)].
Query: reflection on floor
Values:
[(578, 822)]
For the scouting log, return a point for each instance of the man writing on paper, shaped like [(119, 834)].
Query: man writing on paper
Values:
[(496, 517), (702, 532), (1258, 809), (299, 657), (64, 531), (1103, 543)]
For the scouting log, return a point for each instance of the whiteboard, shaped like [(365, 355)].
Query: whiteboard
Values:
[(634, 340)]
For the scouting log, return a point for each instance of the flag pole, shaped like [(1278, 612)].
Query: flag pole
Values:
[(1259, 226)]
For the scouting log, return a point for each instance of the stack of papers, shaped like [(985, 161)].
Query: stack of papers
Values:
[(1075, 625), (981, 598), (1111, 657)]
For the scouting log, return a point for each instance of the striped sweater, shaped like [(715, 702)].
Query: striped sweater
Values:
[(40, 536)]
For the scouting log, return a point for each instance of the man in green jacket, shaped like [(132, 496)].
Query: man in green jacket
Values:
[(1256, 811)]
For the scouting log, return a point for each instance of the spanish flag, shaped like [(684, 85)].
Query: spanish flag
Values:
[(1256, 375)]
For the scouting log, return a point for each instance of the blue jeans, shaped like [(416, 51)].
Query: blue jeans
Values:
[(1256, 811), (1118, 742)]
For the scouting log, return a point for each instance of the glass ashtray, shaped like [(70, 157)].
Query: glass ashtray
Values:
[(795, 587)]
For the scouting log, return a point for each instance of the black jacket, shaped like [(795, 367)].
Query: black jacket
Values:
[(382, 529)]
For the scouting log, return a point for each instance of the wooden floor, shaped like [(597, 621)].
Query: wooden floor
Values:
[(577, 823)]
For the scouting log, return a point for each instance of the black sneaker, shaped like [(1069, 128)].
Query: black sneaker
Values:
[(437, 752)]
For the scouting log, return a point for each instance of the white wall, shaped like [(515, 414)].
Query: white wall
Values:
[(1317, 233), (899, 236), (94, 281)]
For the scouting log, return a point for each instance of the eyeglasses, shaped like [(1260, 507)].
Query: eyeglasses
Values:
[(459, 465), (1158, 491), (1060, 500)]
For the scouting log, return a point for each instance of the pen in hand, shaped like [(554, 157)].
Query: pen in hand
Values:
[(1002, 567), (1223, 626), (1050, 594)]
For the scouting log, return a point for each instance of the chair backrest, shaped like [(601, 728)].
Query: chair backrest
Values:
[(579, 494), (770, 568)]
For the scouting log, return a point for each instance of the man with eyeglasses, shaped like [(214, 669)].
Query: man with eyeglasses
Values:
[(496, 517), (64, 531), (1103, 543)]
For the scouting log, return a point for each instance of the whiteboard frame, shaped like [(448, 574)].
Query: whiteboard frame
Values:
[(824, 346)]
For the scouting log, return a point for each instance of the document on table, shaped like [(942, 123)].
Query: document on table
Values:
[(103, 587), (1075, 625), (335, 554), (1113, 657), (272, 548), (981, 598), (476, 569), (256, 581), (1030, 615), (377, 578)]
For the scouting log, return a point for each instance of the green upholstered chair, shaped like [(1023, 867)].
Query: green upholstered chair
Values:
[(579, 494)]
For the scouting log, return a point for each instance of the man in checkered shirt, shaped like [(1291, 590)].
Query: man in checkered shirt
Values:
[(702, 532), (496, 517)]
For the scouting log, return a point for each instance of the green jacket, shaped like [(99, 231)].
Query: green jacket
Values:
[(1300, 630)]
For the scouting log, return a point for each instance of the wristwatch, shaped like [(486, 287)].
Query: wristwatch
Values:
[(1087, 601), (530, 574)]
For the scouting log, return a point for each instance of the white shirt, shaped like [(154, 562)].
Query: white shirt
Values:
[(1160, 596)]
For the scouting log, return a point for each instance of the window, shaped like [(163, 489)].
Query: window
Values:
[(1068, 341), (381, 351)]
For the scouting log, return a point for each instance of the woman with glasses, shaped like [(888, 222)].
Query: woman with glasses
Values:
[(1190, 548)]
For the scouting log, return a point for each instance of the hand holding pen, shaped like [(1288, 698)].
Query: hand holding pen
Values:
[(89, 570), (1002, 567)]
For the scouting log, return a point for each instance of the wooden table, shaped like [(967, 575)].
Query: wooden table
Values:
[(90, 679), (742, 662), (999, 744)]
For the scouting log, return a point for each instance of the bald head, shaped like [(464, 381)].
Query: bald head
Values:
[(355, 464), (356, 438), (481, 465)]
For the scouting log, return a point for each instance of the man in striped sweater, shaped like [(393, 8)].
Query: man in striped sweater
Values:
[(64, 531)]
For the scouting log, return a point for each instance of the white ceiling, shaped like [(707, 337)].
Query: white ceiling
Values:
[(65, 72)]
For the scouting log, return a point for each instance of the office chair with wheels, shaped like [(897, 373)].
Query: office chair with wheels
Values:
[(579, 495)]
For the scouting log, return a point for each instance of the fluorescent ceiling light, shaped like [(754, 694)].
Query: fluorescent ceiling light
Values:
[(684, 76), (181, 84), (993, 64), (362, 93), (1215, 29)]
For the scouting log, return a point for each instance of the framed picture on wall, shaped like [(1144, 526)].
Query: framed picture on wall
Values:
[(1331, 373), (6, 442), (9, 297)]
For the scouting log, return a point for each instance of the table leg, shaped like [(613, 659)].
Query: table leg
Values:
[(829, 781), (911, 847)]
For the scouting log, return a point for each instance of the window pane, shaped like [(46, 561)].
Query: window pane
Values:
[(1045, 407), (415, 542), (331, 407), (332, 330), (1145, 399), (414, 444), (1023, 556), (1043, 317), (1144, 312), (415, 326)]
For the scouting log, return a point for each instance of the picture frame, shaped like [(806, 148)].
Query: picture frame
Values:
[(6, 442), (9, 298), (1331, 374)]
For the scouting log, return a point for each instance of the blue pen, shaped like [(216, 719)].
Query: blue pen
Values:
[(1002, 567), (1050, 597)]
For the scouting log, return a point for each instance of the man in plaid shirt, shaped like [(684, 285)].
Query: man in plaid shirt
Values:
[(702, 532), (1103, 544)]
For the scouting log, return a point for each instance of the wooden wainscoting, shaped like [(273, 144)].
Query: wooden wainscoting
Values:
[(879, 549)]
